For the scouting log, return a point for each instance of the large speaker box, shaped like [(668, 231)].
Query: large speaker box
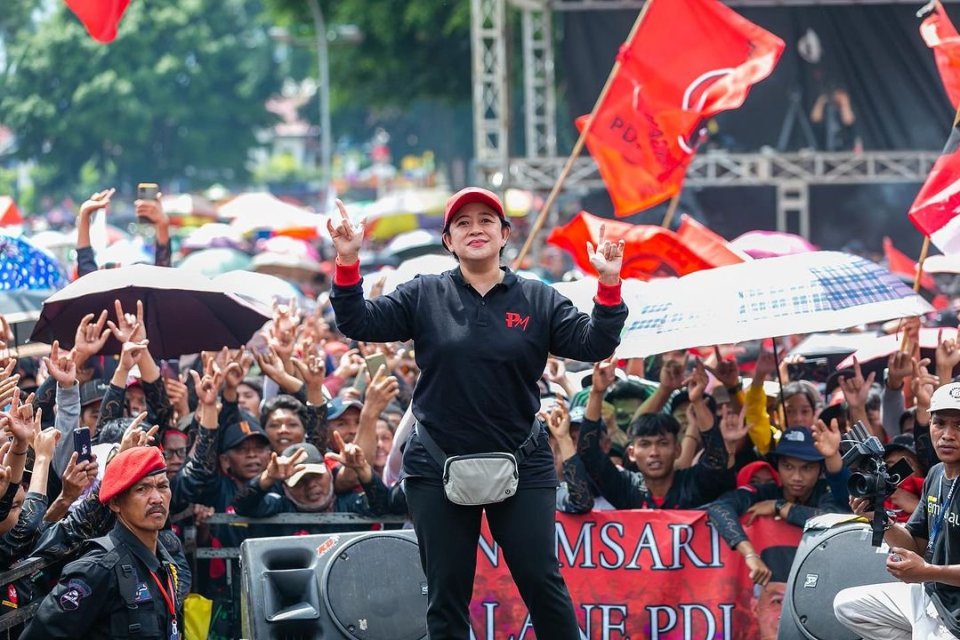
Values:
[(346, 586), (828, 560)]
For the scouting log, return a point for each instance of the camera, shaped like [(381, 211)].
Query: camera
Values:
[(870, 478)]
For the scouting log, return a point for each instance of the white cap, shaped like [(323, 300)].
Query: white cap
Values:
[(946, 397)]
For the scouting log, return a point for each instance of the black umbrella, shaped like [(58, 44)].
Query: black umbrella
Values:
[(184, 312)]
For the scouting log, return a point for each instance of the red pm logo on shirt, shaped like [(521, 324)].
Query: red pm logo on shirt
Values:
[(516, 320)]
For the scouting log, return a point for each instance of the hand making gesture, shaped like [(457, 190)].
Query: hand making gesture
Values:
[(348, 238), (606, 258)]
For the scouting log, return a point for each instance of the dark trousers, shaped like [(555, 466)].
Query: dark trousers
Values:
[(524, 528)]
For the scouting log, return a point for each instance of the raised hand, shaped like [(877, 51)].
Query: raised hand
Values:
[(282, 467), (20, 420), (947, 355), (826, 438), (556, 371), (381, 390), (726, 372), (856, 389), (604, 374), (899, 367), (7, 387), (606, 258), (97, 201), (558, 421), (152, 211), (671, 375), (61, 366), (697, 382), (45, 442), (179, 396), (207, 388), (131, 353), (766, 365), (77, 477), (923, 383), (134, 436), (129, 327), (347, 238), (351, 456), (91, 336)]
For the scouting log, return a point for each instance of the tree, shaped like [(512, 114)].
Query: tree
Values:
[(180, 93), (411, 50)]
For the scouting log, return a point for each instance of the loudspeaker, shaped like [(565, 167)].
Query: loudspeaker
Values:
[(344, 586), (827, 561)]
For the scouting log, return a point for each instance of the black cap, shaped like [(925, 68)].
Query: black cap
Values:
[(93, 391), (247, 427)]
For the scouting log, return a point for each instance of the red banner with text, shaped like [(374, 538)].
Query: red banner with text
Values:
[(644, 574)]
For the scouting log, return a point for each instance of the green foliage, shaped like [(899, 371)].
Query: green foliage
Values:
[(411, 50), (179, 93)]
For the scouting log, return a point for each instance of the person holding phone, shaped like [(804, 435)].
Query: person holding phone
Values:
[(482, 337)]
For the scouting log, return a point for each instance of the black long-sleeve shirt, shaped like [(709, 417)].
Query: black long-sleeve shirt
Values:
[(725, 512), (691, 488), (480, 357)]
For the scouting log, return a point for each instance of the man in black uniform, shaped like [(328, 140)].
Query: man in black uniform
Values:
[(125, 585)]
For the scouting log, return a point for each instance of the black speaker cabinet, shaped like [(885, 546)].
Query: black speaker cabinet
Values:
[(827, 561), (346, 586)]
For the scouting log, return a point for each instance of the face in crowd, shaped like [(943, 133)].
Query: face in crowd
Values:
[(136, 399), (347, 424), (248, 398), (145, 505), (384, 443), (284, 428), (799, 411), (797, 477), (246, 460), (945, 435), (313, 492), (769, 605), (174, 451)]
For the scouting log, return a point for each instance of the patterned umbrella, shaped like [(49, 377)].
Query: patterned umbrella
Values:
[(806, 293), (24, 266)]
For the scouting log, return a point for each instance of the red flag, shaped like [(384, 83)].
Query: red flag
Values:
[(707, 244), (899, 263), (100, 17), (934, 210), (688, 60), (649, 251), (941, 36), (9, 212)]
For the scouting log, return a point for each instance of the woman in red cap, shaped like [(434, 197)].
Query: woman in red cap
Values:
[(482, 337)]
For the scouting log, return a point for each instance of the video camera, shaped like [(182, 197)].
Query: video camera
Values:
[(871, 478)]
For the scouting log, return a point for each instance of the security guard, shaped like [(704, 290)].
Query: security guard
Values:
[(126, 584)]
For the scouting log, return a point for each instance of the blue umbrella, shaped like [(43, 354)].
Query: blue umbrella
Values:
[(24, 266)]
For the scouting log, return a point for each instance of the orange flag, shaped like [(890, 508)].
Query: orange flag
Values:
[(688, 60), (704, 242), (649, 251), (941, 36), (100, 17)]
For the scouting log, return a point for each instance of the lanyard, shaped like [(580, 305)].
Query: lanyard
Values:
[(939, 518), (169, 599)]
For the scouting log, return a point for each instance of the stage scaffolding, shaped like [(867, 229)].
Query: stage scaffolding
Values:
[(537, 169)]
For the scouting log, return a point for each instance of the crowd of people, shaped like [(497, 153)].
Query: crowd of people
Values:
[(325, 409)]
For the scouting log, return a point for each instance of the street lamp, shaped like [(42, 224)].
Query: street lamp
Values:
[(347, 33)]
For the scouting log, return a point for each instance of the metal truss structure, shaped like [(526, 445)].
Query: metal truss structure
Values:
[(539, 166)]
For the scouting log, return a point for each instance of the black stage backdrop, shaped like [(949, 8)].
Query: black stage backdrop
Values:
[(873, 51)]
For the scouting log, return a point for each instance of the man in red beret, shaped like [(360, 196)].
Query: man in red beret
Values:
[(125, 585)]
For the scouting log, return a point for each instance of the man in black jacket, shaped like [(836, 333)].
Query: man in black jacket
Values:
[(654, 449), (804, 491)]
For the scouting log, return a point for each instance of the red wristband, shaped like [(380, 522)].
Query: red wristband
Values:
[(608, 295), (346, 275)]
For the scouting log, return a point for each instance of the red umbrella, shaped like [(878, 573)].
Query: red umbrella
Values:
[(184, 312)]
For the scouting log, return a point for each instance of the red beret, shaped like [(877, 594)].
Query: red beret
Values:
[(128, 468)]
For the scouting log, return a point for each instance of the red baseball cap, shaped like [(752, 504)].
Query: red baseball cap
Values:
[(471, 195), (128, 468)]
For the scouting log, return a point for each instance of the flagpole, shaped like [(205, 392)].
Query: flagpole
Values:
[(671, 210), (924, 250), (577, 148)]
